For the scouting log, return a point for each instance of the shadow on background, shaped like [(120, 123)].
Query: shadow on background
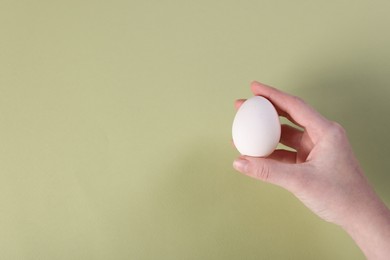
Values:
[(356, 94)]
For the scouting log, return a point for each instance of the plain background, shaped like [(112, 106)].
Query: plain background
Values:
[(115, 123)]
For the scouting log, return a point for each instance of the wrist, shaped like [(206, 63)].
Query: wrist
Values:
[(368, 223)]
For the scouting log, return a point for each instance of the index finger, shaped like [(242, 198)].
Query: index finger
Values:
[(296, 108)]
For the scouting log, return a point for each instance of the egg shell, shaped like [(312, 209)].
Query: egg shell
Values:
[(256, 127)]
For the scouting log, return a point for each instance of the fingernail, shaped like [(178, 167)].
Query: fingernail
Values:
[(240, 165)]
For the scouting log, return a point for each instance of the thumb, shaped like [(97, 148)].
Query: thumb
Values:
[(268, 170)]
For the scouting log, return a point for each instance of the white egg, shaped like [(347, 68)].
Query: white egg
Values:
[(256, 127)]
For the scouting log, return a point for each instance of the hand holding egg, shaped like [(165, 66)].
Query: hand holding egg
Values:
[(321, 170)]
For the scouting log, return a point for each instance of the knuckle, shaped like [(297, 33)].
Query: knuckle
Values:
[(262, 172), (298, 100), (337, 129)]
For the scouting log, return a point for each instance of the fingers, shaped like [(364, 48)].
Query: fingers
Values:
[(282, 155), (300, 112), (278, 173), (291, 136), (238, 103)]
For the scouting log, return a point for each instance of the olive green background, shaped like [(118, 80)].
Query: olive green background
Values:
[(115, 124)]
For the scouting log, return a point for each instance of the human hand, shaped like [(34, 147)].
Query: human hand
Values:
[(322, 172)]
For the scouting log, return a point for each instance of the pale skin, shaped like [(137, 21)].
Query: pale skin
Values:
[(322, 172)]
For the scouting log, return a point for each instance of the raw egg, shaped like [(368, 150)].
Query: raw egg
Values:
[(256, 127)]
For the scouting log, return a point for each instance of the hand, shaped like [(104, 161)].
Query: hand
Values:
[(322, 172)]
